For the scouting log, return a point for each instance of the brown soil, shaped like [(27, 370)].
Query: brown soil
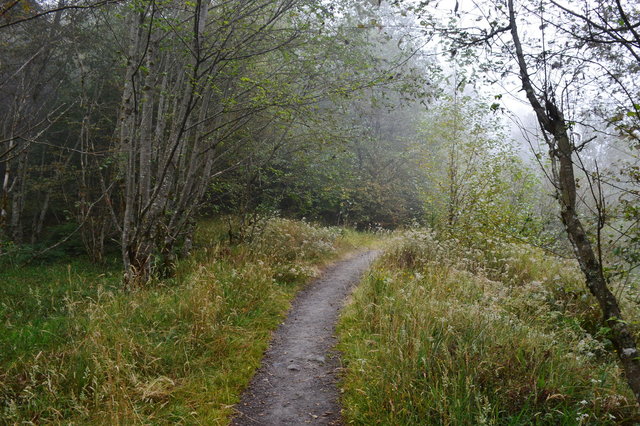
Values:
[(296, 384)]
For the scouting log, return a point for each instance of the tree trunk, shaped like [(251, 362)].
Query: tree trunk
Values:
[(130, 251), (18, 189)]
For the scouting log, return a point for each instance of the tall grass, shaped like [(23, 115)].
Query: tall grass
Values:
[(442, 334), (74, 348)]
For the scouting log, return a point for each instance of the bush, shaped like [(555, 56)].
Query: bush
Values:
[(289, 240)]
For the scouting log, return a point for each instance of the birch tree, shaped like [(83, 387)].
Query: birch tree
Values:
[(184, 98), (564, 152), (29, 82), (574, 63)]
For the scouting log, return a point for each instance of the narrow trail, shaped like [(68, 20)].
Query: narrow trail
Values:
[(296, 384)]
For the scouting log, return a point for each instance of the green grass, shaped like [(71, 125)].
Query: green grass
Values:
[(77, 349), (37, 303), (442, 334)]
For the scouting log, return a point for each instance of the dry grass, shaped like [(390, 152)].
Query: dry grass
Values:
[(440, 333), (178, 351)]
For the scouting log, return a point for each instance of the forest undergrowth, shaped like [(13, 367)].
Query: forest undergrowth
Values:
[(76, 348), (502, 333)]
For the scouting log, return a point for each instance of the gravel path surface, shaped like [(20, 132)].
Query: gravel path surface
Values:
[(296, 384)]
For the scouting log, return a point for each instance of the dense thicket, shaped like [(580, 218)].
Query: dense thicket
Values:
[(124, 122)]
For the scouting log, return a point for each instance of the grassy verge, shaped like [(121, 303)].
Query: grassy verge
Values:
[(441, 334), (76, 349)]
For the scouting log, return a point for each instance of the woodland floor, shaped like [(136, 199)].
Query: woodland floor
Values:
[(296, 383)]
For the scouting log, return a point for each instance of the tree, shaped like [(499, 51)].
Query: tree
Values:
[(477, 184), (562, 151), (29, 83), (566, 72), (346, 157), (184, 95), (57, 86)]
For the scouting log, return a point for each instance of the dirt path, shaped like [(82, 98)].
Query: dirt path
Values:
[(296, 383)]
